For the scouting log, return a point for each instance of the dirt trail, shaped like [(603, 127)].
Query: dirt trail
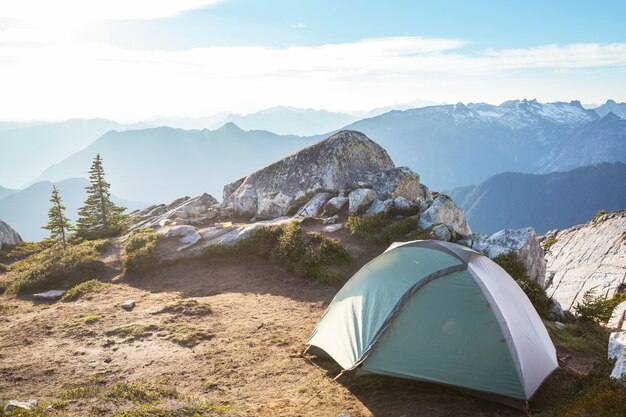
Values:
[(261, 317)]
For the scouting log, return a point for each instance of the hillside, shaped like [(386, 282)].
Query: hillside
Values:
[(543, 201), (27, 210), (28, 148), (161, 164)]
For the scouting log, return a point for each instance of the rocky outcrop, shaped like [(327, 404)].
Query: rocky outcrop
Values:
[(8, 236), (524, 242), (339, 162), (588, 257), (398, 182), (182, 211), (442, 210)]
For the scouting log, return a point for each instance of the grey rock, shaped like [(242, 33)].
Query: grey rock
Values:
[(335, 204), (618, 317), (314, 206), (360, 199), (49, 295), (558, 325), (333, 228), (128, 305), (524, 242), (426, 194), (443, 210), (187, 234), (556, 310), (617, 351), (8, 236), (398, 182), (586, 257), (405, 206), (24, 405), (211, 233), (379, 207), (331, 220), (441, 232), (335, 163), (182, 211)]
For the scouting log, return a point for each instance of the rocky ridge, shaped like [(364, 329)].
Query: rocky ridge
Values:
[(8, 236), (344, 174), (587, 257)]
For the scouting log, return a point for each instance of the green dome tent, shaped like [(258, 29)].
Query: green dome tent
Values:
[(438, 312)]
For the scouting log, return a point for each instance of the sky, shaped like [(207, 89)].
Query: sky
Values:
[(130, 60)]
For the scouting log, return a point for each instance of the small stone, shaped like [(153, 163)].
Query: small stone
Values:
[(441, 232), (333, 228), (49, 295), (25, 405), (331, 220), (128, 305), (558, 325)]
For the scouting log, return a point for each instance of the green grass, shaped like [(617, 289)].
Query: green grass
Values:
[(384, 229), (54, 267), (580, 337), (186, 308), (594, 394), (184, 334), (80, 290), (133, 330), (547, 244), (81, 321), (598, 309), (141, 251), (305, 254)]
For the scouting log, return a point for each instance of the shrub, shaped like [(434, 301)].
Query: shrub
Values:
[(12, 253), (54, 267), (599, 214), (306, 254), (580, 337), (382, 228), (141, 251), (88, 287), (511, 263), (597, 309), (549, 242)]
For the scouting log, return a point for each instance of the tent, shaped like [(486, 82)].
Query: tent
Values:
[(438, 312)]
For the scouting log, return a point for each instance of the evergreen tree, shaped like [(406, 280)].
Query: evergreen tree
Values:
[(58, 223), (99, 217)]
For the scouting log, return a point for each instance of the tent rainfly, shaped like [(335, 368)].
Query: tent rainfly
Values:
[(438, 312)]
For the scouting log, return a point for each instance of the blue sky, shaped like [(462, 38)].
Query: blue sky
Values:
[(133, 59)]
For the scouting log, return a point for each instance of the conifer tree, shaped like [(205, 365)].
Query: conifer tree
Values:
[(99, 217), (58, 223)]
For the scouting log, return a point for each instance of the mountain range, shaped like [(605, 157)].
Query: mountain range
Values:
[(161, 164), (29, 147), (27, 210), (545, 201)]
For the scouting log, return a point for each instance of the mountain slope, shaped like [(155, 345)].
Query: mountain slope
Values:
[(451, 145), (5, 192), (619, 109), (544, 201), (161, 164), (602, 140), (27, 210), (292, 121), (26, 149)]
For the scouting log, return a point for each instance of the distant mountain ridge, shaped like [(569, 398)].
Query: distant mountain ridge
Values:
[(619, 109), (26, 148), (27, 210), (545, 201), (161, 164)]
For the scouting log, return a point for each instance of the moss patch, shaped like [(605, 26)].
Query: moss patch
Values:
[(186, 308), (133, 330)]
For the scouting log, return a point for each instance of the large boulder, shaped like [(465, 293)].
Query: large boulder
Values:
[(336, 163), (588, 257), (524, 242), (398, 182), (360, 199), (379, 207), (335, 204), (8, 236), (444, 211), (314, 206)]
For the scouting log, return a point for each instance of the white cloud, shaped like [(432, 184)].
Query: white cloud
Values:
[(71, 79)]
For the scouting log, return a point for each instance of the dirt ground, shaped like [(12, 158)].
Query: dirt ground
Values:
[(260, 319)]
